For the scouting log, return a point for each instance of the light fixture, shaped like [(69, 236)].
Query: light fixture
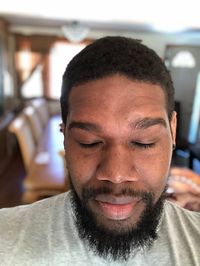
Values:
[(75, 32)]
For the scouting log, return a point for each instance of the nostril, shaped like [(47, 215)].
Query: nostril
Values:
[(117, 179)]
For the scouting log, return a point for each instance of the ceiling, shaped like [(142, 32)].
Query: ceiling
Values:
[(26, 16)]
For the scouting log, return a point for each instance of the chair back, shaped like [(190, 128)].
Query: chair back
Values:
[(42, 108), (22, 130), (35, 122)]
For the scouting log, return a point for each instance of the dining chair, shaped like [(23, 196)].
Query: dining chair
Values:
[(22, 130), (41, 107), (35, 122)]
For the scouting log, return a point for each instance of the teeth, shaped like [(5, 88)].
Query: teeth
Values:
[(115, 200)]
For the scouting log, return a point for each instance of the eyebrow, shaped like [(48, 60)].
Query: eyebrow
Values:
[(148, 122), (84, 125), (139, 124)]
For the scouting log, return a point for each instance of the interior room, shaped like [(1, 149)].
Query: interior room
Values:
[(36, 44)]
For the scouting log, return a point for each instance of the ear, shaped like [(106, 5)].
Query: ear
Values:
[(62, 127), (173, 124)]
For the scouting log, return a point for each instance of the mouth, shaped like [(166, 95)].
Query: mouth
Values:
[(116, 208)]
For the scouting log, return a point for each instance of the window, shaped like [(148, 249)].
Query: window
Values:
[(183, 59), (195, 117), (1, 78), (33, 87), (60, 56)]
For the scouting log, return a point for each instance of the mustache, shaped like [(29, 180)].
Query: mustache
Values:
[(92, 193)]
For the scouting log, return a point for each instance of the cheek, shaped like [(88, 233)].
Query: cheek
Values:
[(153, 170), (81, 168)]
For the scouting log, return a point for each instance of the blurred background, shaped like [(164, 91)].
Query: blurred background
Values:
[(38, 39)]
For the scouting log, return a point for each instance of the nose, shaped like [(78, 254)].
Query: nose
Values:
[(117, 166)]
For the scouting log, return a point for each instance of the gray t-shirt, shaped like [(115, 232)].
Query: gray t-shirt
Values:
[(44, 233)]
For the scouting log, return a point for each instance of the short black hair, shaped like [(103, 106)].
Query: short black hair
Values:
[(116, 55)]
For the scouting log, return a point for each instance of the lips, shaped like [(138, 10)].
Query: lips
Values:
[(116, 208)]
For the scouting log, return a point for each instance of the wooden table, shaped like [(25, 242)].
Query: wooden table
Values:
[(49, 175)]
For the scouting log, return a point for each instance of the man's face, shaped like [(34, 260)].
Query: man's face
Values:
[(118, 142)]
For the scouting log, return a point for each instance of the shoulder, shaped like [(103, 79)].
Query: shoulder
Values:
[(176, 214), (38, 204), (26, 231), (12, 217), (23, 222), (172, 207)]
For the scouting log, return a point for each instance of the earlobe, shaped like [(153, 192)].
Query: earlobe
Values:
[(62, 127)]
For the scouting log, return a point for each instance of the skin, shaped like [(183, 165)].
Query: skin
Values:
[(118, 134)]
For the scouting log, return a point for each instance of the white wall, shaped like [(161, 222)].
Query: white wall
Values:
[(157, 41)]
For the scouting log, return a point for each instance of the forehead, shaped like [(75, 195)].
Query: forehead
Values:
[(116, 94)]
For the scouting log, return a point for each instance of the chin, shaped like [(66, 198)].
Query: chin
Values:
[(117, 238)]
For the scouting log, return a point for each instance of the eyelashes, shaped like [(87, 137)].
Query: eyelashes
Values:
[(90, 145), (136, 144), (144, 145)]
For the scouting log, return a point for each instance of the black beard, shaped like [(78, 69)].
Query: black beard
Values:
[(117, 244)]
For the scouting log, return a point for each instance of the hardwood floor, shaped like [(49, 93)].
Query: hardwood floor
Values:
[(11, 182)]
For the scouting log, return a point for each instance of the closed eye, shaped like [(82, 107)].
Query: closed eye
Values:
[(144, 145), (90, 145)]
